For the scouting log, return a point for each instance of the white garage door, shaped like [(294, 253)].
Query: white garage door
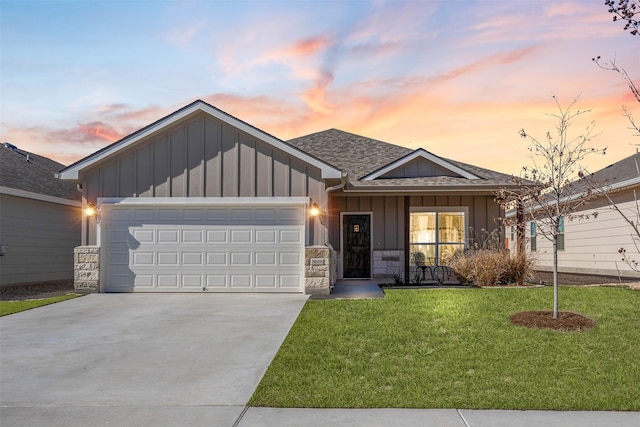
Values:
[(203, 248)]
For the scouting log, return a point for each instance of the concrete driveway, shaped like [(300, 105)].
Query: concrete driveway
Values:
[(136, 359)]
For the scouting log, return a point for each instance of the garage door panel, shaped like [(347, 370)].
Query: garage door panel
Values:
[(143, 280), (241, 236), (167, 236), (165, 214), (290, 236), (226, 249), (217, 215), (290, 281), (193, 258), (217, 258), (192, 215), (168, 259), (217, 281), (144, 214), (265, 258), (143, 258), (217, 236), (290, 258), (168, 281), (192, 281), (241, 214), (240, 280), (192, 236), (266, 281), (266, 236), (144, 236)]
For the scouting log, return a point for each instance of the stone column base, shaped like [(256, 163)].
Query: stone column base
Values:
[(318, 270), (86, 269)]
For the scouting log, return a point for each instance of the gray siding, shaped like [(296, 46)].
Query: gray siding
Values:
[(388, 215), (41, 237), (419, 168), (203, 157)]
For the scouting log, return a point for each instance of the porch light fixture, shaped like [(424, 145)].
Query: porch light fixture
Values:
[(314, 210), (90, 210)]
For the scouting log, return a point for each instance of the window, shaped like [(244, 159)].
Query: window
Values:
[(534, 234), (513, 236), (437, 235), (560, 239)]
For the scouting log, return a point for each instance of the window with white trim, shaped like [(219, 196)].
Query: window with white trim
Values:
[(560, 239), (534, 237)]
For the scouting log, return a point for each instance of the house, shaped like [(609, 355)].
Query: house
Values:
[(202, 201), (39, 219), (590, 246)]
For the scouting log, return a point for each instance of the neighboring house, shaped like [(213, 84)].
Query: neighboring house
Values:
[(202, 201), (39, 219), (590, 246)]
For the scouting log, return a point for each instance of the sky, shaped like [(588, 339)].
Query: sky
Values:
[(457, 78)]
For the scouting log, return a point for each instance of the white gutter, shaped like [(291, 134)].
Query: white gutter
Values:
[(38, 196)]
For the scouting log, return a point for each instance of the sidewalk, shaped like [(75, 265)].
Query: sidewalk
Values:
[(282, 417)]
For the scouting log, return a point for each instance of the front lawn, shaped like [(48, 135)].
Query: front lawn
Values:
[(10, 307), (455, 348)]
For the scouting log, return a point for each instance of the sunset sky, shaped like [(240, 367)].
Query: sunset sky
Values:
[(458, 78)]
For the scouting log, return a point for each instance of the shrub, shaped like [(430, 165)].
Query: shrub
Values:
[(484, 267), (519, 268)]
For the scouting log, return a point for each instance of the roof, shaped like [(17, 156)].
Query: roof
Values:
[(620, 174), (72, 172), (21, 170), (363, 157)]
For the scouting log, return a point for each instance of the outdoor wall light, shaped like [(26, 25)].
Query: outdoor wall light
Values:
[(90, 210), (314, 210)]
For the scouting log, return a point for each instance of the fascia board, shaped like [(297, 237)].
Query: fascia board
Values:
[(37, 196), (420, 152), (203, 201), (73, 172)]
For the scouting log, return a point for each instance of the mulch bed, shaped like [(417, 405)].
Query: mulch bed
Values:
[(546, 278), (36, 290), (566, 321)]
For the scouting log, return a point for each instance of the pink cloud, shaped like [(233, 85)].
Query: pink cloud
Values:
[(307, 46)]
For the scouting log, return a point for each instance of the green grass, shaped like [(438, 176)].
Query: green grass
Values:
[(455, 348), (10, 307)]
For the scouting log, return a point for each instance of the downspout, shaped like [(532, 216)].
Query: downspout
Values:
[(344, 179)]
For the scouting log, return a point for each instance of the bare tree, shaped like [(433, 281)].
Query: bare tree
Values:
[(626, 10), (546, 189), (611, 66)]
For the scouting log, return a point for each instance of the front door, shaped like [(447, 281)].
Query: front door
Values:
[(356, 239)]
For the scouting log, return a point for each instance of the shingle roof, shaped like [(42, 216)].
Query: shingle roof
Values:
[(618, 172), (35, 175), (360, 156)]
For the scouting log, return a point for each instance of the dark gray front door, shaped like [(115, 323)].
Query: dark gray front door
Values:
[(356, 238)]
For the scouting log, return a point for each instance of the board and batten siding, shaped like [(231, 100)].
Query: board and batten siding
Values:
[(591, 245), (203, 157), (40, 237), (388, 215), (419, 168)]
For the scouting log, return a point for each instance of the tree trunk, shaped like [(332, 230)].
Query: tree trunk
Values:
[(555, 275)]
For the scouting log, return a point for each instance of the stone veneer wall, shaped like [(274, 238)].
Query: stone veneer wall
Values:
[(319, 269), (388, 263), (86, 269)]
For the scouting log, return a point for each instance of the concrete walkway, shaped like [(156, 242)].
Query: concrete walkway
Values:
[(276, 417), (354, 289)]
